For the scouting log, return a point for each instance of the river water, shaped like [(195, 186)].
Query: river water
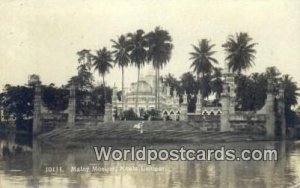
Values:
[(27, 165)]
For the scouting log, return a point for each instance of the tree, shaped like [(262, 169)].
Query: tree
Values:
[(189, 85), (204, 85), (240, 52), (251, 91), (275, 75), (258, 90), (202, 58), (203, 63), (17, 102), (84, 78), (55, 99), (85, 57), (291, 91), (102, 63), (130, 115), (121, 58), (160, 48), (138, 55)]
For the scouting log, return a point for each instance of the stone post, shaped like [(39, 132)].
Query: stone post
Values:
[(72, 106), (115, 102), (36, 162), (199, 103), (37, 103), (270, 114), (183, 108), (108, 115), (281, 111), (232, 95), (225, 101)]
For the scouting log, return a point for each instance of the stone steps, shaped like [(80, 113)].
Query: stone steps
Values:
[(121, 132)]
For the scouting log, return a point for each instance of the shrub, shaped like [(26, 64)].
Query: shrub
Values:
[(130, 115)]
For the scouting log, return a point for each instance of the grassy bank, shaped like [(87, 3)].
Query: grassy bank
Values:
[(159, 131)]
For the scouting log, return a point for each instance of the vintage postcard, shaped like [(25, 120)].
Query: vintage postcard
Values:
[(149, 93)]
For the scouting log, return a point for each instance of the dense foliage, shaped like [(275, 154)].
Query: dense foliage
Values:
[(55, 99), (139, 48), (17, 102)]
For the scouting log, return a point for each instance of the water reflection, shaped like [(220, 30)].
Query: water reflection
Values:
[(25, 166)]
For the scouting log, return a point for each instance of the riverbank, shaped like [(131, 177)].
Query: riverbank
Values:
[(159, 131)]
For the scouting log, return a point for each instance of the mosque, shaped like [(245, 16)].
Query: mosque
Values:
[(168, 105)]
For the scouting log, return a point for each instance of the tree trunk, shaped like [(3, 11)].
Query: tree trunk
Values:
[(137, 91), (104, 90)]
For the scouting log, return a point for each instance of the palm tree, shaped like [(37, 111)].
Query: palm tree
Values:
[(138, 55), (240, 52), (291, 91), (102, 63), (121, 58), (203, 62), (160, 48)]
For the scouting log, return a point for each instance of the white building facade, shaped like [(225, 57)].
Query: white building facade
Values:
[(168, 105)]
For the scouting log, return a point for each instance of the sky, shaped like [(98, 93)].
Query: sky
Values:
[(42, 37)]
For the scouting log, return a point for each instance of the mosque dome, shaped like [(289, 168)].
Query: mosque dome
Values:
[(144, 87)]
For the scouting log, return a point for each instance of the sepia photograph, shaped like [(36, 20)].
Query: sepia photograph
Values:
[(150, 94)]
